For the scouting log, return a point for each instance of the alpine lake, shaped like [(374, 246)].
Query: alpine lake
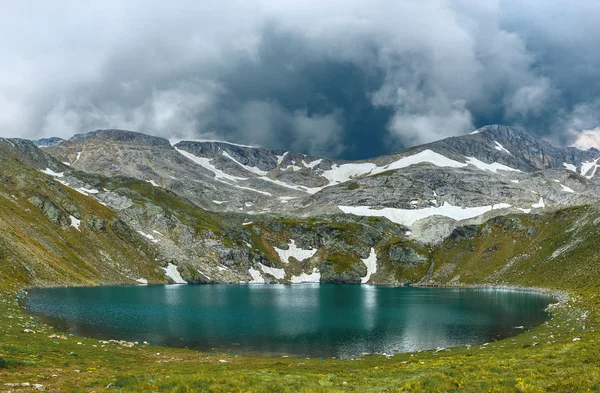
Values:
[(309, 320)]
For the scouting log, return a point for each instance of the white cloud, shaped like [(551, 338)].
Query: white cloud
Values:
[(587, 139)]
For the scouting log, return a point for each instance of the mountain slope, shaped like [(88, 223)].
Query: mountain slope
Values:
[(367, 221), (431, 188), (53, 235)]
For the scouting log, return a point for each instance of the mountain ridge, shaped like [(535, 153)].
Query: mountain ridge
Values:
[(220, 212)]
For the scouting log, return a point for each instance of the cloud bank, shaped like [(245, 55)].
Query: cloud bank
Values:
[(348, 79)]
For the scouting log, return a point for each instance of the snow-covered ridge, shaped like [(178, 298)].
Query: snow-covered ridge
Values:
[(206, 163), (173, 142), (340, 173), (344, 172), (408, 217), (252, 169)]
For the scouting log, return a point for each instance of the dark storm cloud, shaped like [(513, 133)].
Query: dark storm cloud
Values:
[(350, 79)]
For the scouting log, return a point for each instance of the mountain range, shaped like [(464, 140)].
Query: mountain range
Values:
[(114, 206)]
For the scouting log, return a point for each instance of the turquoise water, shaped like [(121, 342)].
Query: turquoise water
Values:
[(303, 320)]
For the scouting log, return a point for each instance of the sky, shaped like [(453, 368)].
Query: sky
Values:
[(344, 79)]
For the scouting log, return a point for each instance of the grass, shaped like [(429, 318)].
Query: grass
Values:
[(353, 186)]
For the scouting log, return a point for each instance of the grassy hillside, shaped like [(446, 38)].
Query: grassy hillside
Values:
[(41, 246), (557, 250)]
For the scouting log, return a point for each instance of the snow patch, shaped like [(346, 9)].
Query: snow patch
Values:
[(409, 216), (293, 251), (277, 273), (50, 172), (540, 204), (75, 222), (524, 210), (257, 278), (172, 272), (142, 281), (148, 236), (66, 163), (247, 222), (515, 181), (219, 202), (293, 167), (252, 189), (425, 156), (252, 169), (291, 186), (201, 272), (286, 199), (570, 167), (493, 167), (499, 147), (281, 157), (567, 189), (152, 182), (587, 166), (312, 164), (205, 163), (78, 157), (84, 190), (342, 173), (315, 276), (371, 264)]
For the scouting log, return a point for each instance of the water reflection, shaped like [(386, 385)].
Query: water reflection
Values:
[(313, 320)]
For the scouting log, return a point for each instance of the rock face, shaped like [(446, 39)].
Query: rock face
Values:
[(222, 212), (47, 142)]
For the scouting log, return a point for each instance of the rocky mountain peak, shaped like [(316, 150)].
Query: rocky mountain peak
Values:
[(123, 137), (47, 142)]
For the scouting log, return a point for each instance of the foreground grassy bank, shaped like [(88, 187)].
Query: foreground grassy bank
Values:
[(560, 355)]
